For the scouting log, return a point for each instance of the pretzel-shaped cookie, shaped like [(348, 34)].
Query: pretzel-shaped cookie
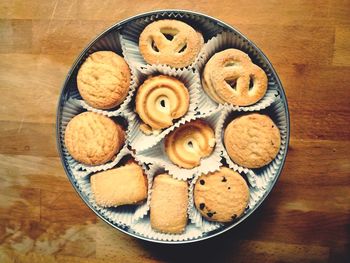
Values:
[(188, 144), (230, 76), (170, 42), (160, 100)]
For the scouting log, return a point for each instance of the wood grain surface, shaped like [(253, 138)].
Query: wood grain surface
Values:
[(306, 217)]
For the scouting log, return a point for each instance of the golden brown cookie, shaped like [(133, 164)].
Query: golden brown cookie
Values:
[(252, 140), (103, 80), (160, 100), (231, 77), (169, 204), (221, 196), (120, 186), (188, 144), (170, 42), (93, 139)]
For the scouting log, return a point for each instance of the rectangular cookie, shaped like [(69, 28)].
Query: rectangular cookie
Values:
[(120, 186), (169, 204)]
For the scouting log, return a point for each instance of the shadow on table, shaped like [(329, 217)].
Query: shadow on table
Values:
[(222, 248)]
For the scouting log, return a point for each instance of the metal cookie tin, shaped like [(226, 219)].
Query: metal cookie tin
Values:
[(112, 39)]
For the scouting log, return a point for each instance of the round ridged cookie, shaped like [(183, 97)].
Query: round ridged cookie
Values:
[(160, 100), (103, 80), (231, 77), (93, 139), (221, 196), (188, 144), (252, 140), (170, 42)]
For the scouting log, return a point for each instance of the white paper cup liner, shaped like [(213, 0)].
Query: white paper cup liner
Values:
[(131, 32), (70, 109), (158, 155), (227, 40), (262, 177), (143, 228), (121, 215), (136, 138)]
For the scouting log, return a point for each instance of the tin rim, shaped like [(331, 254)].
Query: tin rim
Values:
[(117, 26)]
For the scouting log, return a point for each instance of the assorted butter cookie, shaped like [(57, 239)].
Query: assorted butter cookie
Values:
[(168, 209), (159, 101), (252, 140), (93, 139), (231, 77), (103, 80), (170, 42), (188, 144), (221, 196), (125, 185)]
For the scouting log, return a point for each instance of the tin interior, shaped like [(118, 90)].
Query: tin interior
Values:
[(69, 84)]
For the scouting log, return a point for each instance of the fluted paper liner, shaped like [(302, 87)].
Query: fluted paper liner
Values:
[(140, 141), (158, 155), (262, 177), (227, 40), (70, 109), (131, 32)]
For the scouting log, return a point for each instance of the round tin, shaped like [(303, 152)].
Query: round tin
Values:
[(69, 89)]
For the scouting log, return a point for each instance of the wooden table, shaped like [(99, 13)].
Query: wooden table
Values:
[(306, 217)]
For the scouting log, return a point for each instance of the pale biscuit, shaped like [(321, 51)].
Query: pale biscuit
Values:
[(170, 42), (120, 186), (93, 139), (231, 77), (103, 80), (188, 144), (252, 140), (159, 101), (169, 200), (221, 196)]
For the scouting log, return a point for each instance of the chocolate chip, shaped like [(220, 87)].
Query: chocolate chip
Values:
[(224, 179), (210, 214), (272, 126), (234, 217), (201, 206), (202, 182), (228, 188), (272, 143)]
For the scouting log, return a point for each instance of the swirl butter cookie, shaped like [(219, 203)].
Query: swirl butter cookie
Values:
[(231, 77), (252, 140), (103, 80), (160, 100), (168, 208), (109, 187), (170, 42), (93, 139), (221, 196), (188, 144)]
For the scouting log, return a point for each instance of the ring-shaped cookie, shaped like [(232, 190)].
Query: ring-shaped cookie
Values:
[(160, 100), (188, 144)]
